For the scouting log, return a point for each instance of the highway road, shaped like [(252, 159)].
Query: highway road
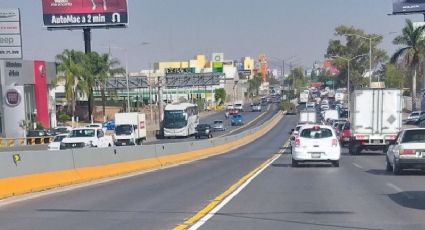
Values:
[(251, 119), (358, 195), (249, 116)]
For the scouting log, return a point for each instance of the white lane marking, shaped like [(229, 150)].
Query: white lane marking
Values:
[(358, 166), (399, 190), (204, 219)]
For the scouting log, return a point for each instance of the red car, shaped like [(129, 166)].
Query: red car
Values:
[(233, 111), (345, 134)]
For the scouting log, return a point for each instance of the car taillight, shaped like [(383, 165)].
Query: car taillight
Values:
[(334, 142), (297, 142), (407, 152)]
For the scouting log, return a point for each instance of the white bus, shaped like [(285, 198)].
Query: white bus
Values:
[(180, 120)]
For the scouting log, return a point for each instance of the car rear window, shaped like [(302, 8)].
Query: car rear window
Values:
[(414, 136), (315, 133), (218, 122)]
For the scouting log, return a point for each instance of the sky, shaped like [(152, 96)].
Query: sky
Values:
[(166, 30)]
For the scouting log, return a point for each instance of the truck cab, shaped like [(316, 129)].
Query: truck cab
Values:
[(130, 129)]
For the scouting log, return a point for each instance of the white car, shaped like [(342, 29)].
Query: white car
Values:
[(97, 125), (316, 143), (407, 151), (324, 107), (87, 137), (310, 106), (56, 143), (219, 125)]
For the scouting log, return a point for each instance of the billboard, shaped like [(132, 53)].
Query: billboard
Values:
[(84, 13), (10, 34), (408, 6)]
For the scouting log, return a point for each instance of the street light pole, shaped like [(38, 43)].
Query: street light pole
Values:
[(370, 52), (348, 60), (126, 78)]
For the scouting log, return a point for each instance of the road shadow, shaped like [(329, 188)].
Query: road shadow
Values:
[(409, 199), (383, 172), (281, 165), (315, 224), (377, 154)]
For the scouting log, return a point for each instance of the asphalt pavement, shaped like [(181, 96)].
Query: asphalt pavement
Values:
[(358, 195), (155, 200)]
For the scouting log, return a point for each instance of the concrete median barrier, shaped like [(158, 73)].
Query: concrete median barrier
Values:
[(24, 172)]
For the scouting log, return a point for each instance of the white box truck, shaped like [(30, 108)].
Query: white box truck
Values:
[(130, 128), (308, 116), (330, 114), (375, 118), (303, 97)]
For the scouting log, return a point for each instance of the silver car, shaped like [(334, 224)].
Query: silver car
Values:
[(219, 125), (407, 151)]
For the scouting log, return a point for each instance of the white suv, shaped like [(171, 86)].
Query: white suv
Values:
[(315, 143)]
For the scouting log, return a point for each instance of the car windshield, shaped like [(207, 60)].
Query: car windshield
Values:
[(83, 133), (93, 126), (36, 133), (123, 130), (415, 114), (414, 136), (316, 133), (61, 130), (202, 126), (59, 138)]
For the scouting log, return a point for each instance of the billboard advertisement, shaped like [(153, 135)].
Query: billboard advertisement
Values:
[(408, 6), (10, 34), (85, 13)]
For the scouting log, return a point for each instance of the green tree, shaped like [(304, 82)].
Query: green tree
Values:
[(411, 53), (254, 85), (297, 80), (109, 67), (97, 69), (71, 73), (220, 96), (393, 76), (350, 45)]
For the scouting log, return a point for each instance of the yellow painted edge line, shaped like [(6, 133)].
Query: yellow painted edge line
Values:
[(217, 200), (23, 184)]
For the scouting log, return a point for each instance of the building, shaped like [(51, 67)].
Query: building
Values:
[(28, 96)]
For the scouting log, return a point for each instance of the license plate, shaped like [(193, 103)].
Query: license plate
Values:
[(376, 141), (124, 143), (315, 155)]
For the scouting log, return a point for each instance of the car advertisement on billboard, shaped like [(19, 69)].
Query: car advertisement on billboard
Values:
[(84, 13), (408, 6)]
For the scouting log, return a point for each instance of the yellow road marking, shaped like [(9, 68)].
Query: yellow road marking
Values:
[(207, 209)]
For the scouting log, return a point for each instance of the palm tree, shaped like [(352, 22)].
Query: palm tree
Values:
[(71, 74), (413, 42), (108, 67)]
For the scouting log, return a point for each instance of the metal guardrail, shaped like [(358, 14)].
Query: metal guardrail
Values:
[(12, 142)]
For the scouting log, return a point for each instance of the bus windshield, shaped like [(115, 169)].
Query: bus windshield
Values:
[(174, 119)]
